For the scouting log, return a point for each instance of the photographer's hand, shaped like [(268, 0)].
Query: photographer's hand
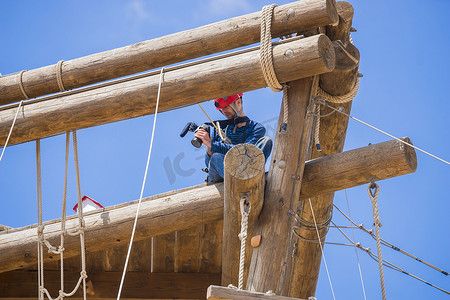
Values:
[(204, 136)]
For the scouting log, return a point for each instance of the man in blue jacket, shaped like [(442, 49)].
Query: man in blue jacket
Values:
[(237, 129)]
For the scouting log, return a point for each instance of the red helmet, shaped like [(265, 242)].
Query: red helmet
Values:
[(225, 101)]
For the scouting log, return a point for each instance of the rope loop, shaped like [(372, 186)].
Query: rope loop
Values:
[(22, 88), (58, 69)]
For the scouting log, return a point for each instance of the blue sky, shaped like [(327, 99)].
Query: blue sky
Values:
[(404, 49)]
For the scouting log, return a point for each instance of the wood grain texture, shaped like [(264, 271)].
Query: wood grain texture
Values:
[(356, 167), (268, 262), (224, 293), (138, 285), (164, 253), (244, 174), (306, 263), (183, 87), (112, 227), (217, 37), (187, 250), (348, 169), (211, 242)]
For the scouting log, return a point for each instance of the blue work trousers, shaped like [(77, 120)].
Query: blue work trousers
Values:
[(215, 162)]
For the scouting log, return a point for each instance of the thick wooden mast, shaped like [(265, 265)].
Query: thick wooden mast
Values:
[(306, 263), (267, 268)]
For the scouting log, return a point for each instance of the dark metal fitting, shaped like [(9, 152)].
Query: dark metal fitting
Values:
[(352, 29)]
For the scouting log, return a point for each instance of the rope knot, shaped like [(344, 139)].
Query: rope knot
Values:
[(242, 235), (83, 274)]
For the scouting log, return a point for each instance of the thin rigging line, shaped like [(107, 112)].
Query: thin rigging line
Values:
[(142, 188), (321, 248), (10, 131), (383, 132), (356, 251)]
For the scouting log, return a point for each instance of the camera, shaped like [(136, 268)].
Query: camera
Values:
[(193, 127)]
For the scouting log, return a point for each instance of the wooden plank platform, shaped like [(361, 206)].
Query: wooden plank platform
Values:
[(222, 293)]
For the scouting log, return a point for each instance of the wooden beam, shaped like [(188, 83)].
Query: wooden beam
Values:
[(138, 285), (168, 213), (217, 37), (244, 175), (224, 293), (267, 269), (181, 87), (306, 263), (356, 167), (161, 216)]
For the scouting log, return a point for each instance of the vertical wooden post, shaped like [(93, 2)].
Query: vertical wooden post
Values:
[(269, 261), (244, 176), (306, 263)]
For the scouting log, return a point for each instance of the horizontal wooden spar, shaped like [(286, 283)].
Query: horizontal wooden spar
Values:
[(217, 37), (181, 87), (113, 227), (356, 167), (224, 293), (22, 284), (201, 205)]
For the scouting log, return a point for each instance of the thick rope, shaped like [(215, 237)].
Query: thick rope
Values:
[(332, 99), (265, 52), (245, 211), (377, 223), (340, 99), (10, 130), (58, 68), (22, 89), (266, 60), (161, 75)]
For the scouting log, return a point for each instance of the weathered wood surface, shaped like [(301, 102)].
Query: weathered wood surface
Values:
[(244, 175), (358, 166), (187, 250), (224, 293), (17, 249), (267, 268), (211, 242), (138, 285), (182, 87), (217, 37), (164, 253), (161, 216), (306, 263)]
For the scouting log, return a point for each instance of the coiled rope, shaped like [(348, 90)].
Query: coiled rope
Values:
[(245, 211), (266, 60), (376, 220), (58, 69)]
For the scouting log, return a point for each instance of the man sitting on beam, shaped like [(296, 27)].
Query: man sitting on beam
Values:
[(237, 129)]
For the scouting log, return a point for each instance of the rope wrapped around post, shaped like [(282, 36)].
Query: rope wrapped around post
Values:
[(376, 220), (266, 60)]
